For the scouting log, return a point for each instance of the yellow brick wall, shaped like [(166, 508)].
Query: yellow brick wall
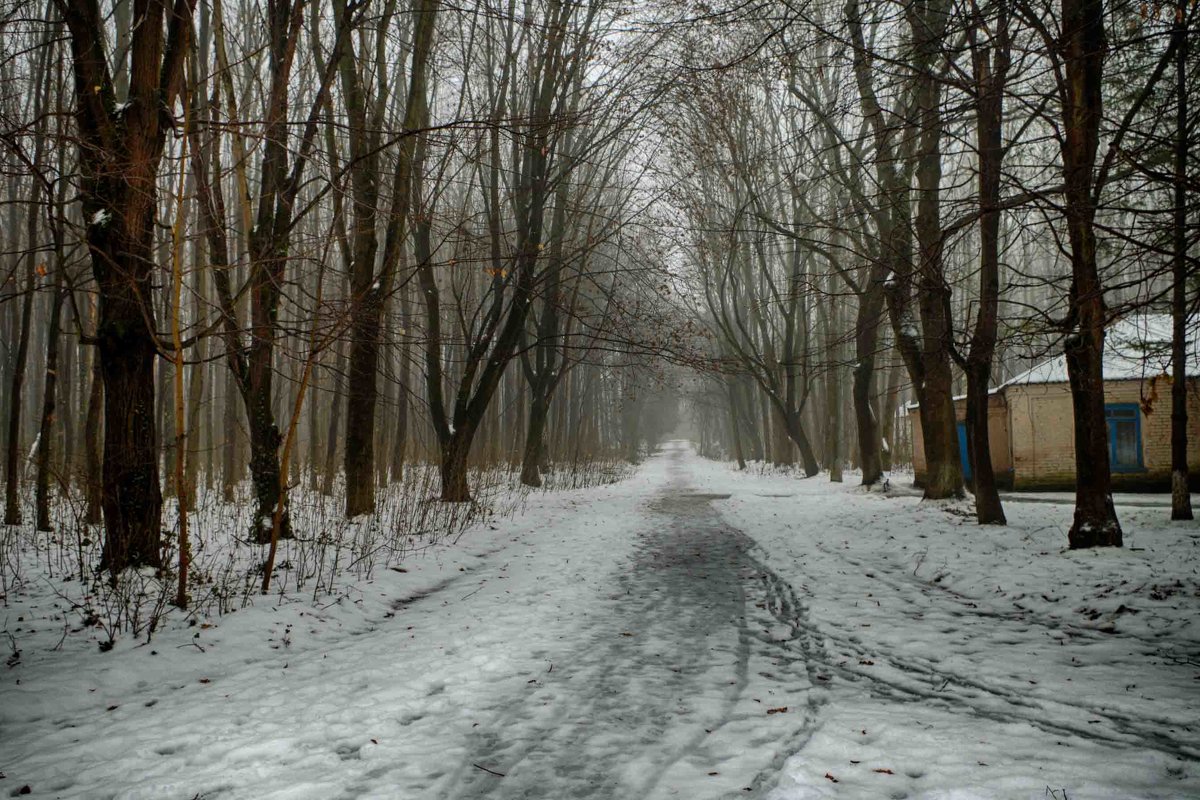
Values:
[(997, 433), (1043, 432)]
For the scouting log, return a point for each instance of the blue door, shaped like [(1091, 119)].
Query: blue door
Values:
[(963, 454)]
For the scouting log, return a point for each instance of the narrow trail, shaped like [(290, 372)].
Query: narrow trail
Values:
[(662, 691)]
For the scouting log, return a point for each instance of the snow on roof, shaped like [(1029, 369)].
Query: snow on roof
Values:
[(1136, 347)]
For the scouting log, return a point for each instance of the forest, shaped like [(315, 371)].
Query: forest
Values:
[(322, 276)]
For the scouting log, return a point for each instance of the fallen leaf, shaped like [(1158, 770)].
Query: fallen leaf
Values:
[(830, 777), (112, 708), (780, 710), (714, 773), (883, 771), (205, 680)]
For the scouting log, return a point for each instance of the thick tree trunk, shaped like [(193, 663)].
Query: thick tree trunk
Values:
[(794, 427), (264, 444), (1095, 523), (939, 435), (936, 391), (360, 414), (368, 288), (988, 508), (120, 149), (531, 461), (455, 484), (131, 496)]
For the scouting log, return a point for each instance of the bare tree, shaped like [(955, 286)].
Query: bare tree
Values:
[(120, 147)]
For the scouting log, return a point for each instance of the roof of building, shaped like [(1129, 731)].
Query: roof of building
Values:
[(1135, 348)]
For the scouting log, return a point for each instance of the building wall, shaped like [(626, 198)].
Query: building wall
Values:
[(1002, 463), (1032, 429), (1042, 424)]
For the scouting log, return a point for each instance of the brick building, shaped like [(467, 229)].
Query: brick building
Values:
[(1032, 427)]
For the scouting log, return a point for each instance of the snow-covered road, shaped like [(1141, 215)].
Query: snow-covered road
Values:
[(662, 692), (692, 632)]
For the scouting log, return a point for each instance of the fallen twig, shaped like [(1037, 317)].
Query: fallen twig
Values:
[(488, 771)]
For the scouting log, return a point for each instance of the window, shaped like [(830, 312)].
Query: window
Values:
[(1124, 436)]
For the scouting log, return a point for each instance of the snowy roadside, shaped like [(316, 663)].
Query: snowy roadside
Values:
[(353, 698), (970, 662)]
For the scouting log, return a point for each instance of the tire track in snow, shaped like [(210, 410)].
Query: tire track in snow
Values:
[(657, 700), (929, 681)]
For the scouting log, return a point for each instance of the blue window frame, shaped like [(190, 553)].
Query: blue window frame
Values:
[(1124, 436)]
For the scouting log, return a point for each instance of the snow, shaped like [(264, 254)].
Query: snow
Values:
[(691, 632), (1135, 348), (102, 217), (977, 661)]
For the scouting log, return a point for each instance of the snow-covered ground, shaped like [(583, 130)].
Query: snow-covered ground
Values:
[(651, 639), (982, 662)]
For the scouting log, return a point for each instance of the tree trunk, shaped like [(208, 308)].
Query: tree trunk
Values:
[(745, 404), (1181, 498), (455, 485), (535, 439), (735, 430), (990, 78), (1095, 523), (988, 508), (231, 465), (120, 149), (258, 396), (833, 432), (92, 445), (12, 460), (49, 401), (132, 498), (399, 454), (329, 470), (935, 391), (367, 288), (782, 454), (866, 336)]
